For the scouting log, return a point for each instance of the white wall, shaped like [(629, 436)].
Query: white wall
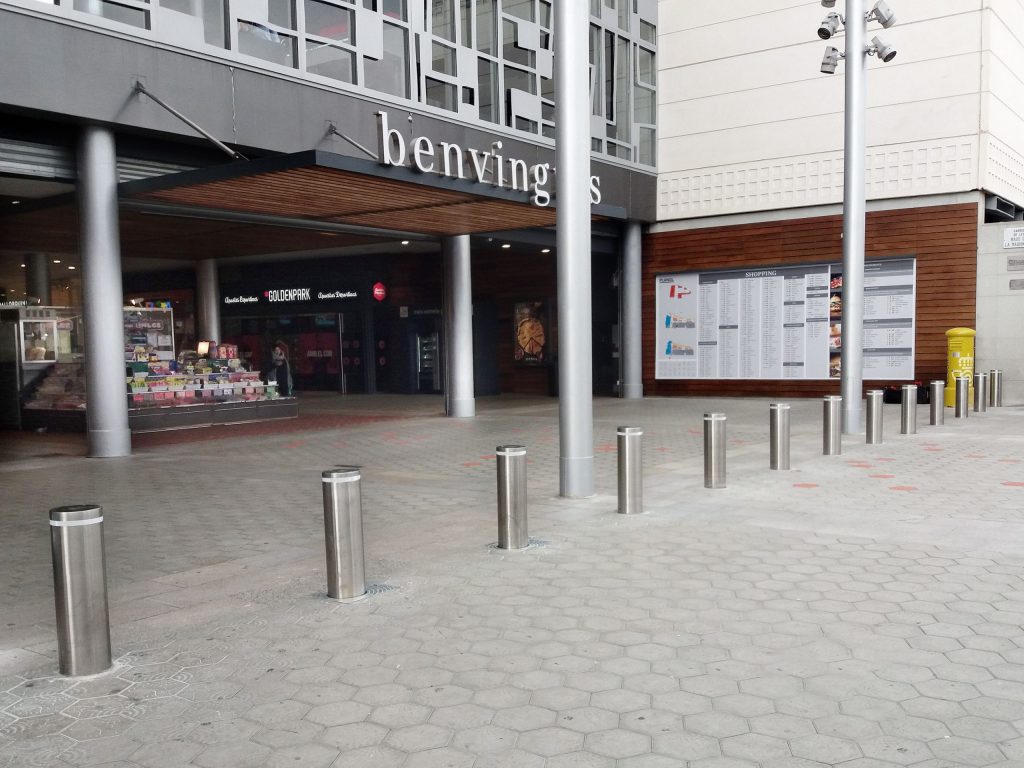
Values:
[(1002, 116), (747, 122), (1001, 310)]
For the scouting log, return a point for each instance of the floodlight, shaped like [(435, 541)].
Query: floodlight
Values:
[(828, 26), (830, 60), (883, 51), (828, 3), (884, 14)]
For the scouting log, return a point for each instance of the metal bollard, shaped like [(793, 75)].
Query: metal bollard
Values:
[(980, 392), (908, 409), (995, 388), (714, 450), (963, 388), (874, 418), (832, 427), (512, 528), (937, 399), (778, 436), (343, 532), (80, 589), (631, 470)]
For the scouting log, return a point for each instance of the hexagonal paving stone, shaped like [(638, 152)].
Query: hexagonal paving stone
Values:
[(339, 713), (652, 721), (237, 754), (588, 719), (824, 749), (354, 735), (916, 728), (461, 716), (502, 697), (525, 718), (899, 751), (620, 701), (847, 727), (166, 753), (415, 738), (105, 751), (485, 738), (782, 726), (685, 746), (512, 758), (618, 743), (560, 697), (709, 685), (305, 755), (550, 741), (965, 751), (377, 756), (442, 757), (744, 705), (755, 746), (681, 702), (718, 724), (400, 715), (443, 695)]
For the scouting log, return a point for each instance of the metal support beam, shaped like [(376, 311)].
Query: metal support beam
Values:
[(851, 376), (37, 278), (207, 301), (631, 344), (102, 296), (575, 373), (458, 327)]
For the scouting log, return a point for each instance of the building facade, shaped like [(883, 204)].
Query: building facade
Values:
[(750, 181), (325, 159)]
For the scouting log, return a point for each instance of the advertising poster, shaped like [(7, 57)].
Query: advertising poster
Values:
[(530, 327), (782, 322)]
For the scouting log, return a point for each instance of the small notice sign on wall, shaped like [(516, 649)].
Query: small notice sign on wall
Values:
[(1017, 285), (1015, 263), (1013, 237)]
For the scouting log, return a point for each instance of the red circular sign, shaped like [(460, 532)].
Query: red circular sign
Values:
[(379, 291)]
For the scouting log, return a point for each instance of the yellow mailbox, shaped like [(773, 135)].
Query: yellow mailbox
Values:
[(959, 361)]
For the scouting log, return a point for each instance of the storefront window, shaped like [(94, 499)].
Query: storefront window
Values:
[(39, 340)]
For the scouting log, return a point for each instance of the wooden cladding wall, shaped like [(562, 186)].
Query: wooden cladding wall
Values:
[(943, 238)]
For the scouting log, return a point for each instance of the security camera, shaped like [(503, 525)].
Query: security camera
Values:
[(883, 51), (830, 60), (828, 3), (884, 14), (828, 26)]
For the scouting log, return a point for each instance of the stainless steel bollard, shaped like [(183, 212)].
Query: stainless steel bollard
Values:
[(962, 392), (832, 426), (343, 532), (908, 409), (778, 436), (980, 392), (631, 470), (80, 589), (873, 423), (937, 401), (714, 450), (512, 526), (995, 388)]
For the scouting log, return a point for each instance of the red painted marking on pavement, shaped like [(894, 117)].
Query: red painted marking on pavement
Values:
[(902, 488), (606, 449), (934, 450), (883, 477), (662, 449), (471, 464), (693, 431), (1013, 483), (295, 444), (885, 458), (976, 456), (488, 457), (1009, 461), (805, 485)]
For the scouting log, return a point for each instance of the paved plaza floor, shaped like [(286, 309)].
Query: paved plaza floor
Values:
[(861, 610)]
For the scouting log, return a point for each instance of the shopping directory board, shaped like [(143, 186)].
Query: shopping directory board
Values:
[(782, 322)]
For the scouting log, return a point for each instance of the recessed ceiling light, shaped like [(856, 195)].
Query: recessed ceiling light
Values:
[(15, 202), (56, 261), (405, 242), (545, 250), (506, 245), (71, 266), (22, 266)]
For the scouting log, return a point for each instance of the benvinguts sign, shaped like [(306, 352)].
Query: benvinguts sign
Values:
[(451, 160)]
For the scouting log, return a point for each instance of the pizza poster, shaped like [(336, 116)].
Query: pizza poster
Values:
[(530, 325), (782, 322)]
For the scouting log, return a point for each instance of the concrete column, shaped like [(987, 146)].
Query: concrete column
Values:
[(458, 328), (37, 277), (630, 323), (102, 296), (207, 301), (572, 186)]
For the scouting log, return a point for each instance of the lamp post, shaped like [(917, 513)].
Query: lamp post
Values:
[(851, 361)]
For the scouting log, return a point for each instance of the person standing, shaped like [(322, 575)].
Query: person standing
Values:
[(279, 371)]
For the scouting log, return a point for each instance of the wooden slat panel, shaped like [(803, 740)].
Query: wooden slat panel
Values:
[(943, 238)]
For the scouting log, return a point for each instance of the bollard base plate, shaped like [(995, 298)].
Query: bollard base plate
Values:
[(355, 599)]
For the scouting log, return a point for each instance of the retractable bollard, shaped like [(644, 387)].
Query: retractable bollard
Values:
[(343, 532), (832, 425), (937, 401), (963, 387), (980, 392), (873, 423), (908, 409), (631, 470), (714, 450), (80, 589), (512, 527), (778, 436), (995, 388)]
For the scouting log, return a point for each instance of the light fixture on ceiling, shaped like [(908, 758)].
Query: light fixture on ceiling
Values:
[(405, 242), (22, 266), (71, 266), (506, 245), (56, 261), (545, 250)]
